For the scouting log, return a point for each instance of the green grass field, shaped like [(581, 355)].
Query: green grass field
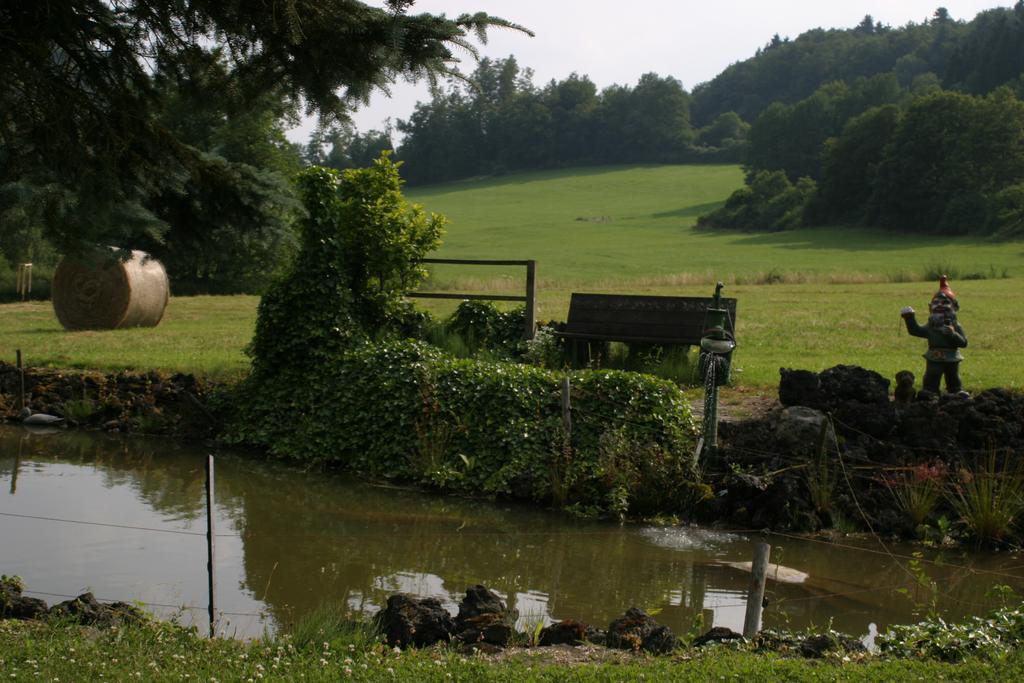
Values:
[(834, 295)]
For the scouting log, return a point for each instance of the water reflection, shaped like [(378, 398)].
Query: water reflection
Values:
[(291, 540)]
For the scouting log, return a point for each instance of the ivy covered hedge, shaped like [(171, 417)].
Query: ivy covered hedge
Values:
[(404, 409), (336, 382)]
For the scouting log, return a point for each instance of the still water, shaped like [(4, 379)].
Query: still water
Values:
[(126, 519)]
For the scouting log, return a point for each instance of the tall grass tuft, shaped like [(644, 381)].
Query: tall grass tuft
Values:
[(332, 623), (918, 491), (820, 476), (990, 497)]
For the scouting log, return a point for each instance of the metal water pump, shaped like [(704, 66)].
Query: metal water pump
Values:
[(716, 346)]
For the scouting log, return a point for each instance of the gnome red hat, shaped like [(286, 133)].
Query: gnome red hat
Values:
[(945, 295)]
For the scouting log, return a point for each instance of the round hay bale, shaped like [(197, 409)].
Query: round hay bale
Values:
[(102, 292)]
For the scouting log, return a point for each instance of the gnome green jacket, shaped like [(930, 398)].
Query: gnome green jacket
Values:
[(943, 345)]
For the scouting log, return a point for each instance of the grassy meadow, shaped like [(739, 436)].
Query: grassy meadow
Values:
[(808, 298)]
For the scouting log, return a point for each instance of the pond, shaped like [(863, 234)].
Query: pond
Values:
[(126, 519)]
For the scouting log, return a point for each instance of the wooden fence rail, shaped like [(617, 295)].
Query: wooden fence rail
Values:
[(530, 298)]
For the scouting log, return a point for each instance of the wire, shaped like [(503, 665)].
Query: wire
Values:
[(115, 526)]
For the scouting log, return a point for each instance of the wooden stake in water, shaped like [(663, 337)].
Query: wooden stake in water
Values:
[(755, 596), (210, 545)]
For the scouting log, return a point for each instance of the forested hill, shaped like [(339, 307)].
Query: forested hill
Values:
[(976, 57), (773, 111)]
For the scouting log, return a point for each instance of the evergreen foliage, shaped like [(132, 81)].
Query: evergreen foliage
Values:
[(146, 118)]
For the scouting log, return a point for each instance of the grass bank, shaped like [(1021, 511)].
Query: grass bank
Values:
[(165, 652)]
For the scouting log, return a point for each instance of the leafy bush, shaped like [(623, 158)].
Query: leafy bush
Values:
[(361, 249), (769, 202), (999, 633), (481, 325), (404, 409)]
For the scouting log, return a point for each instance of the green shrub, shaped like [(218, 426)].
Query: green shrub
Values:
[(768, 202), (361, 250), (482, 326), (404, 409)]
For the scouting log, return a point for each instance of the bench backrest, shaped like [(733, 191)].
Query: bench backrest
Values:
[(679, 319)]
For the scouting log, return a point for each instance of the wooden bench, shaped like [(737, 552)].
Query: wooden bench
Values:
[(640, 319)]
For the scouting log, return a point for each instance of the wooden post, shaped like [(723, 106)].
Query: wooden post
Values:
[(24, 286), (531, 298), (566, 408), (755, 596), (21, 381), (210, 545)]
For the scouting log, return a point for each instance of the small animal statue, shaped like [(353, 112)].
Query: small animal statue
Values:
[(904, 391)]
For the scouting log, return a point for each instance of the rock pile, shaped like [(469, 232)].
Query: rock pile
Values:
[(85, 609), (763, 462)]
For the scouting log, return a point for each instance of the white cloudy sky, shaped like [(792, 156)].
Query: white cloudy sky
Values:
[(613, 41)]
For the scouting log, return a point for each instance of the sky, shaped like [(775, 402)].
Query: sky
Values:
[(615, 42)]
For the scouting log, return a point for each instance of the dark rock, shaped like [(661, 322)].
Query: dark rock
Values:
[(927, 426), (408, 620), (479, 600), (87, 610), (718, 634), (570, 632), (799, 388), (13, 605), (852, 383), (483, 616), (853, 418), (635, 630), (487, 628), (817, 645), (798, 430)]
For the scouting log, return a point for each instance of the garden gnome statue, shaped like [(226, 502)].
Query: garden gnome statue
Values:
[(945, 339)]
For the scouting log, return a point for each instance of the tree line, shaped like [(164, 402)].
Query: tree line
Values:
[(918, 157), (500, 121)]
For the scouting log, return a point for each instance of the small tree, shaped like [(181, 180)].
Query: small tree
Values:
[(362, 244), (384, 239)]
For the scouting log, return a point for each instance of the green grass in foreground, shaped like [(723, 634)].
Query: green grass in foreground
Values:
[(165, 652)]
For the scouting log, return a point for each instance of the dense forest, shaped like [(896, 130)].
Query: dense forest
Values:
[(936, 148), (918, 127)]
